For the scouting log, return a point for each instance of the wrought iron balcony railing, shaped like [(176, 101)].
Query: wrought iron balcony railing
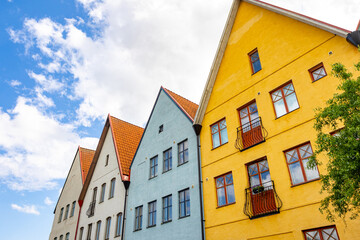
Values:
[(250, 134), (261, 200), (91, 210)]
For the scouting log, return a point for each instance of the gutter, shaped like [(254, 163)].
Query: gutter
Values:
[(126, 185), (197, 129)]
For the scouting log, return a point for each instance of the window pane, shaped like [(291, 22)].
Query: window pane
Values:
[(230, 193), (296, 173), (280, 108), (257, 66), (310, 173), (224, 136), (214, 128), (291, 102), (292, 156), (216, 140), (254, 180), (265, 177), (277, 95), (221, 196)]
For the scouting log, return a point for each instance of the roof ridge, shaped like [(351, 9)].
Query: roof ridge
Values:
[(180, 96), (126, 122)]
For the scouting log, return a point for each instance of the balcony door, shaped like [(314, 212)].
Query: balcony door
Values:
[(261, 191), (250, 125)]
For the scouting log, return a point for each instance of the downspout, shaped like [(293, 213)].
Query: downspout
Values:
[(77, 224), (197, 129), (126, 185)]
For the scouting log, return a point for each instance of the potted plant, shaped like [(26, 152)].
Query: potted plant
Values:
[(258, 189)]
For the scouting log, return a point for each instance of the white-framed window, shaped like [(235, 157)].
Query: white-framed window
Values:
[(73, 208), (102, 196), (107, 229), (152, 214), (112, 188), (184, 203), (138, 218), (118, 224), (183, 152)]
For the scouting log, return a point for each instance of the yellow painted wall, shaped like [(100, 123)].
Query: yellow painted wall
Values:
[(287, 49)]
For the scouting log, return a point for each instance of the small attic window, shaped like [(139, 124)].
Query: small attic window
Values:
[(107, 160), (161, 128)]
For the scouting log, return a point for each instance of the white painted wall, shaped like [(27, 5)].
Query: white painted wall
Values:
[(70, 193), (110, 207)]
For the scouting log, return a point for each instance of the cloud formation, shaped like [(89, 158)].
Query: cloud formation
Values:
[(48, 201), (29, 209)]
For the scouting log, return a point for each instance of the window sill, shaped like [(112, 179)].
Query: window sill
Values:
[(151, 226), (225, 205), (117, 236), (183, 163), (166, 222), (110, 197), (314, 180), (252, 74), (219, 146), (167, 171), (153, 177), (136, 230), (184, 217), (287, 113)]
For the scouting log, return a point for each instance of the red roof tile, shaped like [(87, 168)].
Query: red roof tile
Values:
[(127, 138), (86, 157), (186, 105)]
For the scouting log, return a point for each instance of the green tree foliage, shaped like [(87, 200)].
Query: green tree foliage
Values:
[(342, 180)]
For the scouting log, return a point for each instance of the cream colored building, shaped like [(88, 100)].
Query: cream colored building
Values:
[(66, 212), (102, 198)]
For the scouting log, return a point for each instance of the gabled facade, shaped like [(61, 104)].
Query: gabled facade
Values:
[(66, 212), (271, 71), (164, 194), (102, 198)]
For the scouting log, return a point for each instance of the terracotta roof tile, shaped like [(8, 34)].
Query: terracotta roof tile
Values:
[(127, 138), (189, 107), (86, 157)]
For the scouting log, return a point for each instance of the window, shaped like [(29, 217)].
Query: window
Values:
[(183, 152), (219, 133), (225, 189), (61, 214), (67, 236), (297, 159), (107, 229), (325, 233), (72, 209), (112, 188), (152, 214), (88, 237), (94, 194), (55, 238), (317, 72), (259, 174), (107, 160), (161, 128), (67, 211), (153, 167), (61, 237), (102, 196), (81, 233), (284, 99), (167, 165), (167, 209), (255, 61), (98, 227), (138, 218), (118, 224), (184, 203)]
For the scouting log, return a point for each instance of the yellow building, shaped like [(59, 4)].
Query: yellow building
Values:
[(271, 71)]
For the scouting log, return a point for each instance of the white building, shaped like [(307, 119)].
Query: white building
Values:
[(102, 198), (66, 212)]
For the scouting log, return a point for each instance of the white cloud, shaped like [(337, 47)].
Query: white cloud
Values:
[(14, 83), (48, 201), (29, 209), (47, 84), (38, 148)]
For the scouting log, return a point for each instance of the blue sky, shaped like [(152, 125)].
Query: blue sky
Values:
[(66, 64)]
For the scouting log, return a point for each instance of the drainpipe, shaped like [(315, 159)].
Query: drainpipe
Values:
[(197, 129), (126, 185), (77, 224)]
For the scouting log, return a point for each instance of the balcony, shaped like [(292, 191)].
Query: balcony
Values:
[(250, 134), (261, 201), (91, 210)]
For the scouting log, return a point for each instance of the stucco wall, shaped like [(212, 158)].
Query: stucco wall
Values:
[(110, 207), (70, 193), (177, 127)]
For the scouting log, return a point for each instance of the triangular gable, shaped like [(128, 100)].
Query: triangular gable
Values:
[(126, 138), (225, 38), (85, 161), (86, 157), (186, 106)]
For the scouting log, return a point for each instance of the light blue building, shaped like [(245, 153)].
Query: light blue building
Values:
[(164, 200)]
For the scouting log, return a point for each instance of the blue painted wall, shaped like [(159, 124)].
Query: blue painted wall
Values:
[(142, 190)]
